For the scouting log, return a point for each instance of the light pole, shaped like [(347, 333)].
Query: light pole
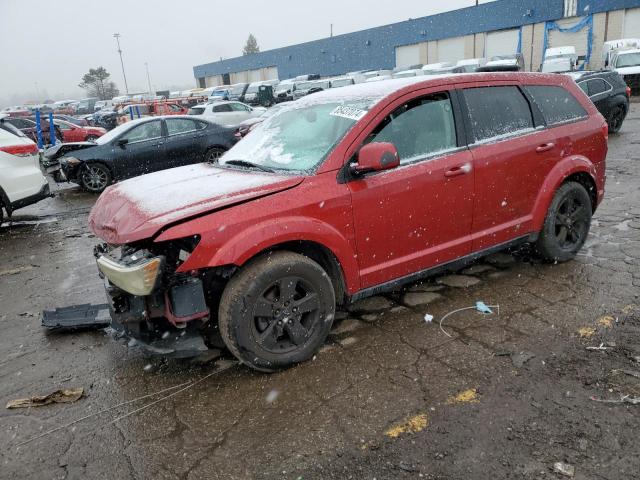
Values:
[(117, 37), (146, 65)]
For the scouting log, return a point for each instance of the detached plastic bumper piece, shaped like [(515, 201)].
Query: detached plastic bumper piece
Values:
[(77, 317)]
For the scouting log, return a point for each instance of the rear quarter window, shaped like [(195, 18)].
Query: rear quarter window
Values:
[(556, 104), (497, 111)]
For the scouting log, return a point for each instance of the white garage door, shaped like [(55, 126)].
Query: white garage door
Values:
[(407, 55), (577, 39), (450, 49), (501, 42), (632, 23)]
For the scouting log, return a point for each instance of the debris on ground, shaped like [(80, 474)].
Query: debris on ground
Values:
[(467, 396), (480, 306), (415, 424), (59, 396), (564, 469), (77, 317), (428, 318), (623, 399), (600, 348), (586, 332), (606, 321)]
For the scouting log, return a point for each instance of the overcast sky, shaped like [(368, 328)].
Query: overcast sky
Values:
[(48, 45)]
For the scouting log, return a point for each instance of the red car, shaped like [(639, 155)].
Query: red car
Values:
[(344, 194), (75, 133)]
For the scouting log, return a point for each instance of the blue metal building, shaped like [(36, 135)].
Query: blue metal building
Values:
[(376, 47)]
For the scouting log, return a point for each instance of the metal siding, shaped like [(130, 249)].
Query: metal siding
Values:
[(631, 27), (375, 48), (502, 42), (578, 39), (595, 6)]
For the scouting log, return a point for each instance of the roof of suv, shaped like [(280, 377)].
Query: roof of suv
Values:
[(386, 88)]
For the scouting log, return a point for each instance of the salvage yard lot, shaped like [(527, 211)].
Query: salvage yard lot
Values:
[(389, 396)]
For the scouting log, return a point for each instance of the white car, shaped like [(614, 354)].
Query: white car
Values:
[(21, 180), (226, 113)]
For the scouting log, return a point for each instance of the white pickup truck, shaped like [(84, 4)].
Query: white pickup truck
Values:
[(623, 56)]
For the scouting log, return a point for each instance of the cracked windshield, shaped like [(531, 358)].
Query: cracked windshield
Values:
[(392, 241)]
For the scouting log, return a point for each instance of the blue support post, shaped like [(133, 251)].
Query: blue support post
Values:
[(39, 129), (131, 113), (138, 111), (52, 130)]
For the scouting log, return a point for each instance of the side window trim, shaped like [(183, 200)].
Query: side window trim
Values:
[(169, 135)]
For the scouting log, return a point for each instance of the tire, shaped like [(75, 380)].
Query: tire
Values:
[(213, 154), (616, 117), (94, 177), (567, 224), (285, 335), (1, 213), (91, 138)]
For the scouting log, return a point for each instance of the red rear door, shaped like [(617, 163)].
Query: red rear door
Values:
[(419, 214), (511, 158)]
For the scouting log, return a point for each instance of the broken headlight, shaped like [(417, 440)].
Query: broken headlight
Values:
[(137, 278)]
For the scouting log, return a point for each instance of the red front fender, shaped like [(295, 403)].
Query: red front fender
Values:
[(248, 243)]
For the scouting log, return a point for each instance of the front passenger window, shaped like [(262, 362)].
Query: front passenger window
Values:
[(419, 128)]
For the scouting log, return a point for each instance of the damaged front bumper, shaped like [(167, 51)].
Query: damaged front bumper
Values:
[(155, 308)]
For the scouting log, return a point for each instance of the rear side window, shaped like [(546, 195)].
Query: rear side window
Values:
[(556, 104), (497, 111)]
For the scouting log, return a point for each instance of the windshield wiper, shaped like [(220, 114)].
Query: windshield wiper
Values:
[(244, 163)]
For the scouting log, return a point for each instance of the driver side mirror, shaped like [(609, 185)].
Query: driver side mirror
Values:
[(122, 142), (375, 157)]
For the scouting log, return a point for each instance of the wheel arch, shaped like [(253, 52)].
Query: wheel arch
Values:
[(5, 202), (578, 169)]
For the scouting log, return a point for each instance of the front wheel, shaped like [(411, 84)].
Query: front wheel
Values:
[(277, 311), (567, 224), (213, 154), (95, 177)]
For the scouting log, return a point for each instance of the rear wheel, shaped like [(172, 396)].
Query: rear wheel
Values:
[(91, 138), (616, 117), (277, 311), (95, 177), (567, 224), (213, 154)]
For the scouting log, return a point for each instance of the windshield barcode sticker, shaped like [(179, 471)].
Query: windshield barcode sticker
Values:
[(349, 112)]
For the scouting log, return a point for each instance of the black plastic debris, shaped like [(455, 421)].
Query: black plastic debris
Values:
[(77, 317)]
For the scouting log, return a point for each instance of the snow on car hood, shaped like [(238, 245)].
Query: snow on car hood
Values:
[(628, 70), (138, 208)]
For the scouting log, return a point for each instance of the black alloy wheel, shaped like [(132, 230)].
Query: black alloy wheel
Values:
[(567, 224), (277, 311)]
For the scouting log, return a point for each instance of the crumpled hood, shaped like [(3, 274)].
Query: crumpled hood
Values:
[(62, 149), (138, 208)]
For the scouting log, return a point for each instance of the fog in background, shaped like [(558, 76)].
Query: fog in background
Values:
[(47, 46)]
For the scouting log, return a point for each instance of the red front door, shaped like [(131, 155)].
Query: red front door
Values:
[(419, 214)]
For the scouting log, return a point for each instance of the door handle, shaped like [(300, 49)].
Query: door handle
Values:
[(458, 170), (545, 147)]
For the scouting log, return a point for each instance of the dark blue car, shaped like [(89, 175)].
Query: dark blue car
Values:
[(138, 147)]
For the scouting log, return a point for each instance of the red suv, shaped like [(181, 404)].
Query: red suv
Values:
[(344, 194)]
